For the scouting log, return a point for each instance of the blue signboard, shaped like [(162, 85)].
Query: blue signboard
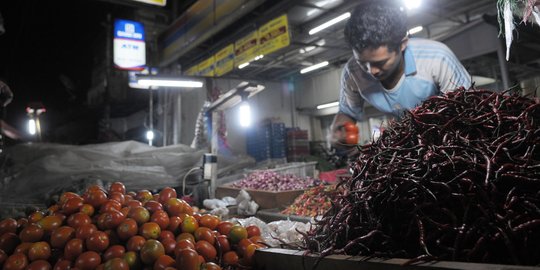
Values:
[(129, 45)]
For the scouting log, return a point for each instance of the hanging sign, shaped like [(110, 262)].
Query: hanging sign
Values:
[(161, 3), (206, 67), (224, 60), (192, 71), (129, 46), (245, 49), (274, 35)]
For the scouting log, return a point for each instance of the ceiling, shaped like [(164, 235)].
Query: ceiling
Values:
[(438, 18)]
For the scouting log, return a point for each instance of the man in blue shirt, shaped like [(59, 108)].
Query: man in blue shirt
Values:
[(388, 70)]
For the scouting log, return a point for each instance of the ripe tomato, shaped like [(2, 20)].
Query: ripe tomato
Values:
[(32, 218), (169, 244), (189, 224), (117, 187), (117, 196), (150, 230), (350, 127), (166, 193), (153, 206), (78, 219), (31, 233), (210, 266), (230, 258), (188, 236), (22, 222), (62, 264), (73, 249), (116, 251), (253, 230), (351, 138), (39, 251), (66, 196), (242, 246), (127, 229), (88, 260), (97, 241), (188, 259), (237, 233), (163, 262), (224, 227), (49, 223), (161, 218), (85, 230), (248, 254), (72, 205), (110, 219), (139, 214), (222, 243), (183, 244), (9, 241), (23, 248), (135, 243), (16, 262), (39, 265), (110, 205), (203, 233), (151, 250), (60, 236), (96, 197), (174, 224), (257, 240), (116, 264), (205, 249), (209, 221)]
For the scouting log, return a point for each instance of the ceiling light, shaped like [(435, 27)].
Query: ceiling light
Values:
[(170, 82), (327, 105), (258, 57), (314, 67), (244, 113), (412, 4), (243, 65), (480, 80), (329, 23), (416, 29), (307, 49)]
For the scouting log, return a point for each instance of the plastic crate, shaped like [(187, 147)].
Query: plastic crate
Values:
[(301, 169)]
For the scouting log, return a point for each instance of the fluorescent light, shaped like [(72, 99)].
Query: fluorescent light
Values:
[(416, 29), (314, 67), (150, 135), (480, 81), (329, 23), (32, 127), (412, 4), (327, 105), (258, 57), (170, 83), (244, 114), (243, 65)]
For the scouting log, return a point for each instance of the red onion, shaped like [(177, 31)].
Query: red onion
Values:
[(272, 181)]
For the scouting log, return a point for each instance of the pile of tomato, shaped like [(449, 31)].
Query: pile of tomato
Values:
[(115, 229)]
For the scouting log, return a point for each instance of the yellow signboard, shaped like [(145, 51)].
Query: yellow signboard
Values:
[(192, 71), (206, 67), (224, 60), (274, 35), (154, 2), (246, 49)]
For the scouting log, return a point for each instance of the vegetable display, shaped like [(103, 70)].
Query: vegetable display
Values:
[(115, 229), (313, 202), (272, 181), (457, 178)]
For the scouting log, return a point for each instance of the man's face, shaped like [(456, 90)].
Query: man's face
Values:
[(380, 62)]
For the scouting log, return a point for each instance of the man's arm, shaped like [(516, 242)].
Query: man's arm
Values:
[(450, 74)]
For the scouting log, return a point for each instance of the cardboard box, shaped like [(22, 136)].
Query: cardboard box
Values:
[(265, 199)]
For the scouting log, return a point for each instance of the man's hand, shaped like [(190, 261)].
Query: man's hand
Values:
[(338, 137)]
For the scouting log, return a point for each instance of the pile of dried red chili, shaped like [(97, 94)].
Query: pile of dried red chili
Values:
[(457, 178)]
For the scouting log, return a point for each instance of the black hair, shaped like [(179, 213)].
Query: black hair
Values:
[(376, 24)]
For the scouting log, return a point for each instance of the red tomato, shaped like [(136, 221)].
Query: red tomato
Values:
[(49, 223), (9, 241), (222, 243), (144, 195), (151, 250), (253, 230), (72, 205), (230, 258), (60, 236), (352, 138), (96, 197), (139, 214), (127, 229), (237, 233), (132, 260), (66, 196), (16, 262), (116, 251), (242, 245), (78, 219), (110, 219), (163, 262), (97, 241), (210, 266), (23, 248), (39, 251), (31, 233), (33, 218), (110, 205), (169, 244), (117, 187), (85, 230), (117, 196), (39, 265), (133, 203), (209, 221), (150, 230), (174, 224), (248, 254), (62, 264), (350, 127), (88, 260), (188, 259), (166, 193), (203, 233), (22, 222), (161, 218), (183, 244), (153, 206), (205, 249), (165, 234), (135, 243), (87, 209), (224, 227), (73, 249), (116, 264), (188, 236)]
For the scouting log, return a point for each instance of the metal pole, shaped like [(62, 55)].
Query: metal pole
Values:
[(151, 113), (503, 65)]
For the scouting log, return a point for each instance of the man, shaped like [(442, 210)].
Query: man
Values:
[(388, 70)]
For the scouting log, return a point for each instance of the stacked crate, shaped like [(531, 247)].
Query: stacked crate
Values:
[(297, 144), (266, 141)]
